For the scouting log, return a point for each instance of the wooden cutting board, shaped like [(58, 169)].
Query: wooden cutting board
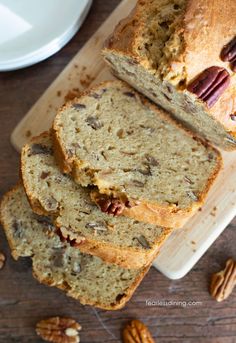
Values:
[(185, 246)]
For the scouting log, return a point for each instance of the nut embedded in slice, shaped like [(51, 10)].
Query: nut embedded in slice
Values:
[(136, 332), (59, 330), (2, 260), (223, 282), (109, 204)]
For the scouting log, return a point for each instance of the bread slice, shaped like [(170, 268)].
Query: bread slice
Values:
[(118, 240), (81, 276), (133, 152), (165, 45)]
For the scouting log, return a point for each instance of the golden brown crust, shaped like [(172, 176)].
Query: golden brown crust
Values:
[(206, 27), (209, 25), (3, 222), (163, 215), (126, 258)]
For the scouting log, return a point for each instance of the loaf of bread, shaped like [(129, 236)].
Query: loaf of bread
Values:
[(81, 276), (118, 240), (181, 54), (143, 164)]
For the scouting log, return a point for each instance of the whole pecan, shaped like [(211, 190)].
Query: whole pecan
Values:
[(210, 85), (223, 282), (228, 53), (136, 332), (59, 330)]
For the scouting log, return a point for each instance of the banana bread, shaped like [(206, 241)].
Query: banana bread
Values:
[(81, 276), (181, 54), (118, 240), (137, 156)]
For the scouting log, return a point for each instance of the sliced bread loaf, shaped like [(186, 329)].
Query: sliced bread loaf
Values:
[(181, 54), (115, 139), (81, 276), (118, 240)]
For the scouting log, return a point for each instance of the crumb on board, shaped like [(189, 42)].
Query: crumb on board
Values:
[(200, 209), (213, 212), (193, 242), (84, 68), (97, 39), (59, 93), (86, 80), (28, 133), (74, 93)]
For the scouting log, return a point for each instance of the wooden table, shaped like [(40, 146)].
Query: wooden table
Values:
[(23, 301)]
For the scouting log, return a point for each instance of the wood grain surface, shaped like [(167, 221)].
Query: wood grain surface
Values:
[(23, 301)]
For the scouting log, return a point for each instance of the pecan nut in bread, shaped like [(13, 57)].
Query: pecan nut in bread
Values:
[(162, 46), (138, 155), (81, 276)]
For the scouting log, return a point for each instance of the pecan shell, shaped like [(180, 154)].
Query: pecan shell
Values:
[(137, 332), (59, 330), (210, 85), (223, 282), (228, 53)]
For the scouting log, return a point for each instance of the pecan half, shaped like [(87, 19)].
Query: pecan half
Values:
[(137, 332), (59, 330), (73, 239), (228, 53), (111, 205), (2, 260), (223, 282), (210, 85)]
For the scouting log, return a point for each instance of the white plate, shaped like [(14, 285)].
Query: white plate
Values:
[(31, 31)]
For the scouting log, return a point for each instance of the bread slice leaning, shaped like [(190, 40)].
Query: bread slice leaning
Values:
[(163, 46), (118, 240), (117, 140), (83, 277)]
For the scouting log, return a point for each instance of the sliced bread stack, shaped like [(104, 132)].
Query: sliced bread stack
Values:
[(105, 188)]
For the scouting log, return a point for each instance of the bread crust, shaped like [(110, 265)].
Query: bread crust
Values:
[(3, 204), (120, 303), (128, 258), (86, 301), (163, 215), (206, 27)]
